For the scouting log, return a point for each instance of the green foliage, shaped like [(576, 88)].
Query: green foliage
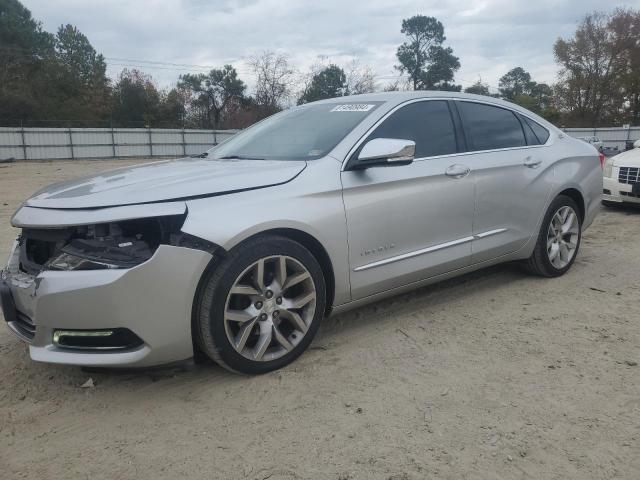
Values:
[(330, 82), (172, 109), (136, 101), (82, 84), (430, 66), (518, 87), (212, 94), (600, 70), (61, 77), (515, 82), (25, 51), (478, 88)]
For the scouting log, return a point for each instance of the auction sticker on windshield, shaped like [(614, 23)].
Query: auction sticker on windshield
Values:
[(353, 107)]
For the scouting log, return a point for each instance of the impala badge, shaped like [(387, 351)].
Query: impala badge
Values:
[(381, 249)]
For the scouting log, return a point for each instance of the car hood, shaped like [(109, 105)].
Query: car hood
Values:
[(165, 181), (630, 158)]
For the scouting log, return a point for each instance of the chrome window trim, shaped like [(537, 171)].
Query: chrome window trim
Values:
[(365, 137), (430, 249)]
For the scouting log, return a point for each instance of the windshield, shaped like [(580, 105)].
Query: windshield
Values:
[(301, 133)]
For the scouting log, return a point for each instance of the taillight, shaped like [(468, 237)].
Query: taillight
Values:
[(602, 159)]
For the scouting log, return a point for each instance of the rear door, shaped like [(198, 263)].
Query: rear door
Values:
[(511, 170), (406, 223)]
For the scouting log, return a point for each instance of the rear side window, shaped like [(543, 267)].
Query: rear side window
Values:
[(536, 133), (491, 127), (428, 123)]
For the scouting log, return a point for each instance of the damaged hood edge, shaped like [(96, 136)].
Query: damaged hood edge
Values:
[(34, 217), (168, 181)]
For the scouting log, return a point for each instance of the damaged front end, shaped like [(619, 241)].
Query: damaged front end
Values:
[(73, 292), (123, 244)]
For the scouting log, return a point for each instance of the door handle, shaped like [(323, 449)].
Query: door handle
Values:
[(457, 171), (532, 162)]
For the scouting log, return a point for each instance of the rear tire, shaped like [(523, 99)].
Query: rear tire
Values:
[(262, 305), (558, 235)]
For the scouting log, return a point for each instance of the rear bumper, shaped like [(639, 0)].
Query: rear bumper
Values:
[(154, 300)]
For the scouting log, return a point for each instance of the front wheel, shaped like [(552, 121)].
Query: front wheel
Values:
[(261, 307), (558, 240)]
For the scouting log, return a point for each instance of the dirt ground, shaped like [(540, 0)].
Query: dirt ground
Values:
[(494, 375)]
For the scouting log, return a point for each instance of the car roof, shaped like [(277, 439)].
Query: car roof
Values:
[(395, 98)]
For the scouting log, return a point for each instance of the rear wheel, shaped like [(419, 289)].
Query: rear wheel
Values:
[(558, 240), (262, 306)]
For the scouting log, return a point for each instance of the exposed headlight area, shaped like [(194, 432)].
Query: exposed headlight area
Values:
[(113, 245)]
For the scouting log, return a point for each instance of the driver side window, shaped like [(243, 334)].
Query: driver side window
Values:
[(427, 123)]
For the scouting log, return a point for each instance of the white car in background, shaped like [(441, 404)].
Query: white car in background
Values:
[(595, 141), (622, 178)]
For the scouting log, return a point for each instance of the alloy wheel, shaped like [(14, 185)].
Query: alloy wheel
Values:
[(269, 308), (562, 237)]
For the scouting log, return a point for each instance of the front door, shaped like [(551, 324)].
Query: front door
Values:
[(407, 223)]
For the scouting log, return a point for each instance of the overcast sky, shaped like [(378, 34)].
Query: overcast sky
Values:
[(489, 36)]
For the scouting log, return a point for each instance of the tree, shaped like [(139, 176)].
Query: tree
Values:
[(274, 77), (25, 52), (79, 58), (359, 79), (543, 95), (518, 87), (82, 79), (172, 109), (478, 88), (588, 77), (516, 81), (136, 100), (212, 93), (329, 82), (430, 66), (625, 27)]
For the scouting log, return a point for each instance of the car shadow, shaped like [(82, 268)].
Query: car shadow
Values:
[(334, 327), (626, 208)]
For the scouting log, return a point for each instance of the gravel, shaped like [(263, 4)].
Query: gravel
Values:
[(450, 381)]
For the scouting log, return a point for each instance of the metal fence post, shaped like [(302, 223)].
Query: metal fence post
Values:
[(150, 142), (184, 144), (113, 142), (24, 143), (71, 143)]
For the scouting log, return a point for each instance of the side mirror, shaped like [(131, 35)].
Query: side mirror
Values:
[(386, 152)]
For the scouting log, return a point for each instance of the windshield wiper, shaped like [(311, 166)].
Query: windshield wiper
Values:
[(200, 155), (239, 157)]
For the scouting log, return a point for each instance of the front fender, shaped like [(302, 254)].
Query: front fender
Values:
[(311, 203)]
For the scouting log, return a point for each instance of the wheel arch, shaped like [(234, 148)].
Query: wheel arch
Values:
[(307, 240), (577, 197)]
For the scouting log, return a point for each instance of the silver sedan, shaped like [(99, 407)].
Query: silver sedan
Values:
[(238, 254)]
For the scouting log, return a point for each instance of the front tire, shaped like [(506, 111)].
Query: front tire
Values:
[(559, 239), (262, 306)]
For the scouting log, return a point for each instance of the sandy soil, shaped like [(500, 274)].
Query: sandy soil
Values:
[(494, 375)]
